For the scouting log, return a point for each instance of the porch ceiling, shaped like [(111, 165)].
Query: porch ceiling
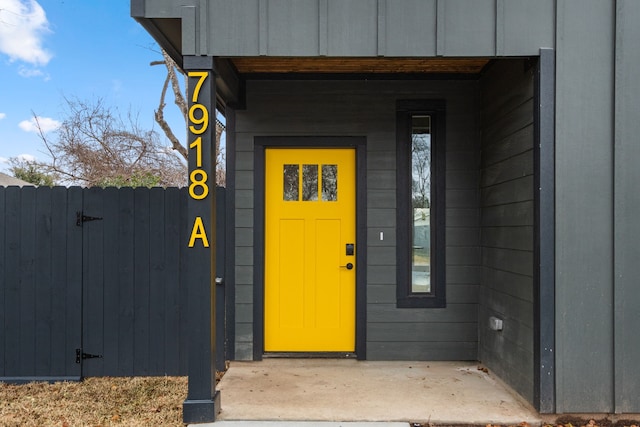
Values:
[(271, 65)]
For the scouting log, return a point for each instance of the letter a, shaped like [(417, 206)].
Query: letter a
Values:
[(198, 232)]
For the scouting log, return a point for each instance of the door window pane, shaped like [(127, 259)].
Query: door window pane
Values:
[(421, 203), (309, 183), (291, 177), (329, 183)]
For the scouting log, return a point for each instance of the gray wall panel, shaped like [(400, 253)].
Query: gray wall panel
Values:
[(524, 26), (627, 207), (301, 33), (395, 28), (584, 201), (506, 290), (468, 28), (352, 28), (410, 28), (431, 350), (235, 28)]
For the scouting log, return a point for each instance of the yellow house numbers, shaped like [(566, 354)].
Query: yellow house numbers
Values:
[(198, 178)]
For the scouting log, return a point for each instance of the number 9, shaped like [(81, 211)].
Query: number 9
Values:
[(203, 120)]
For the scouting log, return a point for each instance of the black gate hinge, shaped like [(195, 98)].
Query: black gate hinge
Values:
[(81, 218), (82, 356)]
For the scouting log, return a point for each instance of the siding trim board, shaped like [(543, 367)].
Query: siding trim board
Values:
[(544, 254)]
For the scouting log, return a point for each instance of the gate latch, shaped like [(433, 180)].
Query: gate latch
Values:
[(81, 218), (81, 356)]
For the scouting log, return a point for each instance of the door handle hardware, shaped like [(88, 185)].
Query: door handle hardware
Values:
[(349, 266)]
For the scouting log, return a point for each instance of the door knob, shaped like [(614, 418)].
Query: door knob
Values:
[(349, 266)]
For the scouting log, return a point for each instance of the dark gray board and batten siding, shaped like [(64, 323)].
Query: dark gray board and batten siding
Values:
[(367, 108), (393, 28)]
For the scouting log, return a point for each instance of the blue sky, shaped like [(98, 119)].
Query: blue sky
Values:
[(85, 49)]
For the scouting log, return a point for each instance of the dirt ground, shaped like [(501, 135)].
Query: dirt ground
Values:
[(154, 401)]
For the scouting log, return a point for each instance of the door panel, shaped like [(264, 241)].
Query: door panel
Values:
[(310, 219)]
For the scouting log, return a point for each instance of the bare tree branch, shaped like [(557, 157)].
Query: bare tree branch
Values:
[(94, 146), (159, 116)]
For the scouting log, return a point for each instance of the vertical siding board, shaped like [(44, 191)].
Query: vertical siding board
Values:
[(27, 276), (59, 349), (527, 26), (12, 281), (171, 308), (584, 224), (410, 28), (93, 282), (73, 286), (300, 34), (111, 296), (141, 329), (352, 28), (469, 27), (43, 283), (157, 281), (184, 281), (235, 28), (126, 281), (626, 208)]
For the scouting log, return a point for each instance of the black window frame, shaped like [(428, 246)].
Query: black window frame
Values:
[(405, 110)]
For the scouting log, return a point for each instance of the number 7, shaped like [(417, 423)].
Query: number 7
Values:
[(202, 76)]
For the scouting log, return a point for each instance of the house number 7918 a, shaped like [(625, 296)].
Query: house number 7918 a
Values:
[(198, 178)]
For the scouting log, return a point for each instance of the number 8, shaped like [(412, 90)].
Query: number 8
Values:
[(195, 182)]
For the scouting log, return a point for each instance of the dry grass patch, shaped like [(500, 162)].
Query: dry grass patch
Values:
[(139, 401)]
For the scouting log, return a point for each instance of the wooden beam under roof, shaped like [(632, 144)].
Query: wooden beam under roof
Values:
[(254, 65)]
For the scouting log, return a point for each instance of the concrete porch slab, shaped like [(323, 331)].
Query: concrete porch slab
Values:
[(341, 390)]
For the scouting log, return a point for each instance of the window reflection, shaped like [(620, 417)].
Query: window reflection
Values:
[(291, 174), (309, 182), (329, 183), (421, 203)]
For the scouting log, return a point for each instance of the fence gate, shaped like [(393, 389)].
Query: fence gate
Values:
[(91, 282)]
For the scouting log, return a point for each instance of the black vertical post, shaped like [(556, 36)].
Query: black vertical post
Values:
[(203, 401)]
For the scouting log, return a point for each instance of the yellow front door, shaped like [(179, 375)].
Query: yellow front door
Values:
[(310, 272)]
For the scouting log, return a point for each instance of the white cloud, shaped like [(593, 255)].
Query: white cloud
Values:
[(2, 115), (23, 25), (32, 72), (4, 160), (45, 124), (26, 157)]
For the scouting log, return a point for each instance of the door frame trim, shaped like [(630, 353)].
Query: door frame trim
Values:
[(261, 143)]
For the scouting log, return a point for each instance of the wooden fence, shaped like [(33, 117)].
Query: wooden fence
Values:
[(92, 282)]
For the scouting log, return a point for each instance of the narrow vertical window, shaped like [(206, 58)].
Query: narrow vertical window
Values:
[(420, 204)]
